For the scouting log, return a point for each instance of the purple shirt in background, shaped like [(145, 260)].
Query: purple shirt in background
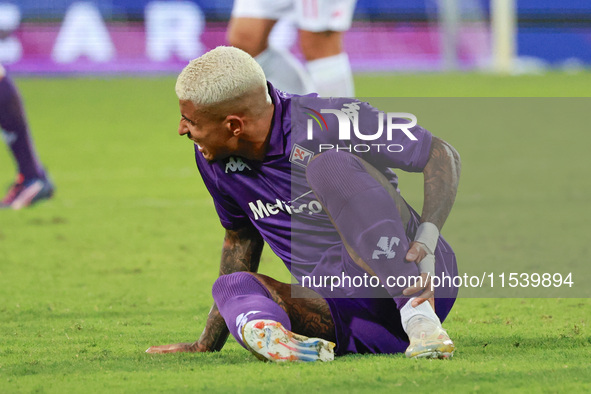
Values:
[(274, 196)]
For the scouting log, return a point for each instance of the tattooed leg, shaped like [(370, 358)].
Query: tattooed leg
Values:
[(244, 297), (309, 314)]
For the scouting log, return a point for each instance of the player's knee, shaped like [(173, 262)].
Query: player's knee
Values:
[(330, 166), (235, 284), (317, 45), (338, 176)]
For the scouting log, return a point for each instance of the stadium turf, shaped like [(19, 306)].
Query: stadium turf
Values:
[(125, 255)]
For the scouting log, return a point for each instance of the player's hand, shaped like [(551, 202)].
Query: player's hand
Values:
[(419, 253), (177, 347)]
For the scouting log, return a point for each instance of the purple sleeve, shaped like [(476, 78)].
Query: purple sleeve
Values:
[(231, 215), (400, 151), (382, 139)]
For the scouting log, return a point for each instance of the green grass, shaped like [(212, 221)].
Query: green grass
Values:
[(125, 255)]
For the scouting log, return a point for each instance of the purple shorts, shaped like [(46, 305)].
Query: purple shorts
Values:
[(372, 325)]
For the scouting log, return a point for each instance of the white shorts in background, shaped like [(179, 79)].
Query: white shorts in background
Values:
[(309, 15)]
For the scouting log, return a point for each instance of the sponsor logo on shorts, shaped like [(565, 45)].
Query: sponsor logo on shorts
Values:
[(386, 248)]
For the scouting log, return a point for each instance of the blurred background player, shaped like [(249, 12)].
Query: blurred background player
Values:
[(321, 24), (31, 184)]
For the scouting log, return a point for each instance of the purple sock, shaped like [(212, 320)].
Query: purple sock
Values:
[(365, 215), (240, 297), (14, 124)]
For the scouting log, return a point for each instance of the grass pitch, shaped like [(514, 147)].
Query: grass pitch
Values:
[(125, 255)]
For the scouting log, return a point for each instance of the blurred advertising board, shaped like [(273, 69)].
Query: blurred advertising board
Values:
[(140, 36)]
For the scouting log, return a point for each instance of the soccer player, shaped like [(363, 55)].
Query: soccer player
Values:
[(32, 183), (326, 213), (321, 25)]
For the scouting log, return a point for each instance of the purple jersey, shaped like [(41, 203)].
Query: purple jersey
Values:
[(273, 194)]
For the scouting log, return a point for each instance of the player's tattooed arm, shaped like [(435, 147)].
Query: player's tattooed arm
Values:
[(442, 175), (241, 251)]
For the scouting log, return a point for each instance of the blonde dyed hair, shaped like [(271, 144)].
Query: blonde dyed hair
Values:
[(220, 75)]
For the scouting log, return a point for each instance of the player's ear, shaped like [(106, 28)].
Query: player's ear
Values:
[(235, 124)]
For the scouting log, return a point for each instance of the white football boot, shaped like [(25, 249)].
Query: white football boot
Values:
[(428, 339), (269, 340)]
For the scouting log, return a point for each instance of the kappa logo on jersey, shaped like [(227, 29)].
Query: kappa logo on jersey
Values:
[(300, 156), (235, 164), (242, 319), (385, 246)]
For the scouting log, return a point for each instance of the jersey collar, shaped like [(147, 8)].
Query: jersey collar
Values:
[(276, 141)]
